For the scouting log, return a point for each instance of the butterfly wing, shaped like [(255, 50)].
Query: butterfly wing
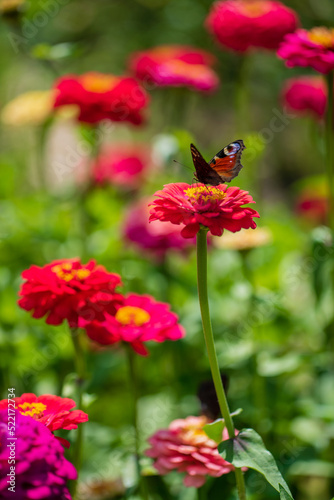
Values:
[(227, 163), (204, 172)]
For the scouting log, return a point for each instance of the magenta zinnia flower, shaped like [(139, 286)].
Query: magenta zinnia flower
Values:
[(176, 66), (306, 94), (138, 319), (52, 411), (314, 49), (216, 208), (154, 238), (41, 470), (244, 24), (185, 447), (67, 289)]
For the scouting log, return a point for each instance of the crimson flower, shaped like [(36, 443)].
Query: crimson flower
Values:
[(52, 411), (154, 238), (176, 66), (102, 97), (41, 470), (122, 165), (138, 319), (193, 206), (67, 289), (306, 94), (313, 48), (244, 24), (185, 447)]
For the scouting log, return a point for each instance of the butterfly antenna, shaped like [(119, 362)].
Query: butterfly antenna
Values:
[(183, 165)]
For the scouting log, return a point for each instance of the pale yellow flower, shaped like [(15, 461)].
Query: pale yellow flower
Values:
[(244, 239), (10, 5), (33, 108)]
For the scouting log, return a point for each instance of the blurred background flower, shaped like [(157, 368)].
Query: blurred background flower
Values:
[(306, 95)]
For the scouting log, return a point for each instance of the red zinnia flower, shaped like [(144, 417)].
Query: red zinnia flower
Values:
[(52, 411), (123, 165), (138, 319), (216, 208), (176, 66), (67, 289), (185, 447), (306, 94), (242, 24), (314, 49), (313, 200), (102, 97), (157, 239)]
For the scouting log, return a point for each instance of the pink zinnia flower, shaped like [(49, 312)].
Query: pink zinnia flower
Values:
[(313, 201), (313, 49), (216, 208), (102, 97), (185, 447), (306, 94), (67, 289), (244, 24), (41, 470), (157, 239), (123, 165), (138, 319), (176, 66), (52, 411)]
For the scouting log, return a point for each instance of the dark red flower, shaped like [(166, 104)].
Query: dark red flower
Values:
[(306, 94), (67, 289), (313, 49), (138, 319), (244, 24), (216, 208), (102, 97), (176, 66)]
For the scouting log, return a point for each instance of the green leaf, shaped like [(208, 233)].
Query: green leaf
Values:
[(214, 430), (247, 450)]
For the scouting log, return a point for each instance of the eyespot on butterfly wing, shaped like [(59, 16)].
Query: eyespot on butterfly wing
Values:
[(223, 167)]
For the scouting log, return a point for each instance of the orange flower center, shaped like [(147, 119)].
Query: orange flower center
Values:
[(35, 410), (182, 68), (67, 273), (98, 82), (130, 315), (194, 433), (204, 194), (322, 36), (254, 8)]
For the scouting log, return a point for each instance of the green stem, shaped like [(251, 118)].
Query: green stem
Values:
[(210, 345), (80, 366), (330, 147), (241, 97), (135, 394)]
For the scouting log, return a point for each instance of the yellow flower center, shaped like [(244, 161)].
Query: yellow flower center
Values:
[(128, 315), (323, 36), (194, 433), (98, 82), (32, 409), (67, 273), (182, 68), (204, 193), (254, 8)]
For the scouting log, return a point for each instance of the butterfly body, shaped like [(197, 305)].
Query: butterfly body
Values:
[(223, 167)]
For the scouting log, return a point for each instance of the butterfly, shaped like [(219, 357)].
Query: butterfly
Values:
[(223, 167)]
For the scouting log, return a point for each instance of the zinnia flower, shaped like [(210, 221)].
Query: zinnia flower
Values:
[(122, 165), (314, 49), (244, 24), (138, 319), (52, 411), (67, 289), (101, 489), (306, 94), (155, 238), (312, 201), (216, 208), (102, 97), (40, 469), (176, 66), (30, 108), (185, 447)]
